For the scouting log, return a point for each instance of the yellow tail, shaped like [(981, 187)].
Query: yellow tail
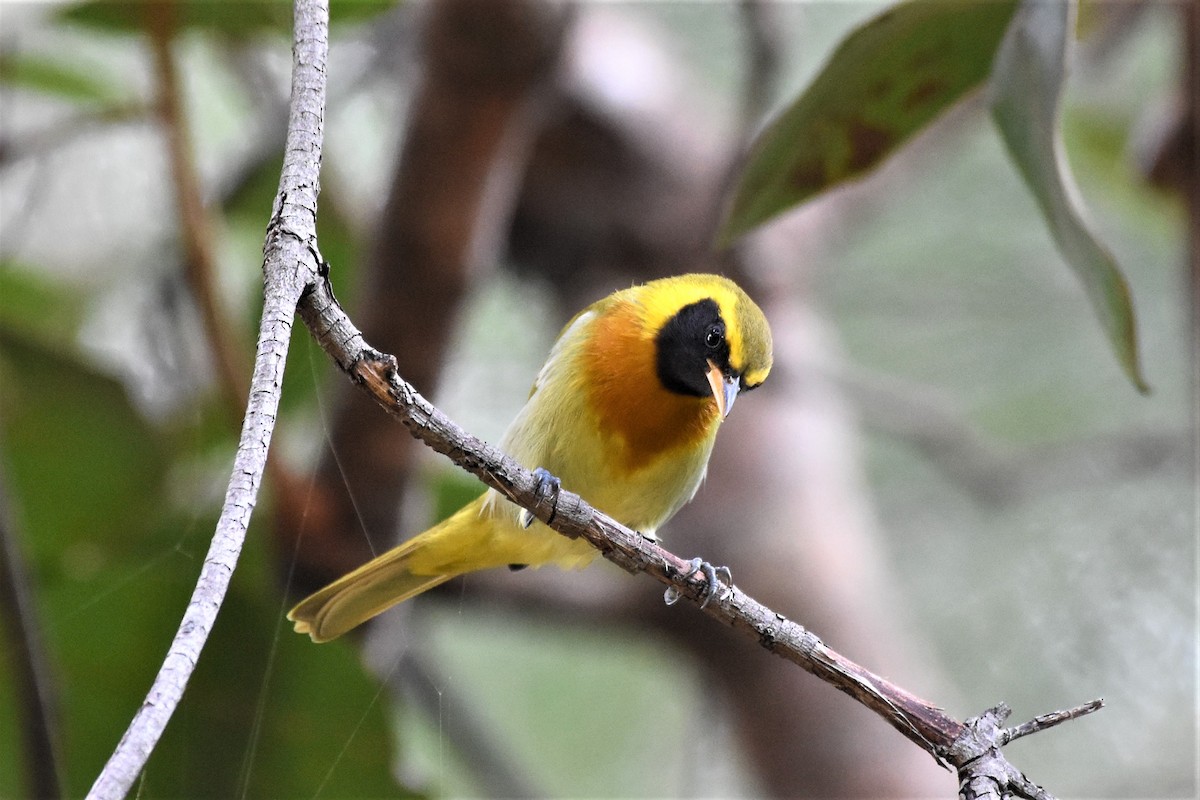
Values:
[(382, 582), (473, 538)]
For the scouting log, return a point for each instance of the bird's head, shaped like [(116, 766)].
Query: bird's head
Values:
[(710, 338)]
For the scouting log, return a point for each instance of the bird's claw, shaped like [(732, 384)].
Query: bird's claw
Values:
[(713, 588), (546, 487)]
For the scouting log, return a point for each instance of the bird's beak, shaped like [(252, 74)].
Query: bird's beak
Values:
[(724, 388)]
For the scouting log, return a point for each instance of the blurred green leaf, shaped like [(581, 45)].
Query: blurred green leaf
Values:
[(452, 489), (46, 312), (234, 18), (55, 77), (13, 777), (1026, 89), (114, 563), (223, 16), (79, 455), (884, 83), (86, 476)]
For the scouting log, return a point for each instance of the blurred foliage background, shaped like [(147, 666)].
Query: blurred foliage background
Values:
[(950, 479)]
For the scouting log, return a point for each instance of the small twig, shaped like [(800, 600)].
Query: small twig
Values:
[(983, 772), (1045, 721), (288, 266)]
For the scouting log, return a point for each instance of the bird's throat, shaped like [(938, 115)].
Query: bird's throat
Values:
[(647, 421)]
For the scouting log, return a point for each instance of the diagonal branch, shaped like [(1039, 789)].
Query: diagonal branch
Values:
[(970, 748), (288, 265)]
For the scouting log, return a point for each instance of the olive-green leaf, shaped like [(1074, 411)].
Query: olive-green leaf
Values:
[(54, 77), (884, 83), (224, 16), (38, 308), (93, 490), (79, 455), (130, 16), (1026, 87)]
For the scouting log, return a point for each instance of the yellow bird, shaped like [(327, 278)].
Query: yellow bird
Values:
[(624, 412)]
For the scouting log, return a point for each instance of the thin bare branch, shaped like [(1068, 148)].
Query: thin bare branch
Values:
[(1045, 721), (289, 264)]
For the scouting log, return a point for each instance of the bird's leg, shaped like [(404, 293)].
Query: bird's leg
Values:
[(547, 487), (711, 573)]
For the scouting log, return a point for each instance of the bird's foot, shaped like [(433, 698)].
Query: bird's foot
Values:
[(714, 588), (547, 487)]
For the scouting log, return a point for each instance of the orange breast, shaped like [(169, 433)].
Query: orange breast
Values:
[(647, 422)]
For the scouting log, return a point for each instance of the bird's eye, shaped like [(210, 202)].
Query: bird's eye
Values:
[(714, 337)]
